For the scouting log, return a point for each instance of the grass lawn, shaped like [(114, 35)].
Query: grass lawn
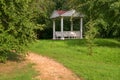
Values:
[(104, 64), (17, 71)]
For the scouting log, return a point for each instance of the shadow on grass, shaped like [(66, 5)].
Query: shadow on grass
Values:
[(15, 57), (98, 42), (10, 56), (76, 42), (107, 43)]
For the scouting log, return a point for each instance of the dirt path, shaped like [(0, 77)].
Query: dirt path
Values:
[(49, 69)]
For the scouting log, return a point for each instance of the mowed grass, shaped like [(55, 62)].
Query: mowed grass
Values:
[(104, 64), (17, 71)]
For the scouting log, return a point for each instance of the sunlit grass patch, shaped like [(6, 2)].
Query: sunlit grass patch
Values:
[(104, 64)]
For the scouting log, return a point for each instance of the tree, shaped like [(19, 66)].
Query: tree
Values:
[(60, 4), (42, 11), (105, 14), (16, 26), (101, 18)]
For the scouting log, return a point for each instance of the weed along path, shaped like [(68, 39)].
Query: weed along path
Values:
[(49, 69)]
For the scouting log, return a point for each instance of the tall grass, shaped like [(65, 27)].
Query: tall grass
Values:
[(104, 64)]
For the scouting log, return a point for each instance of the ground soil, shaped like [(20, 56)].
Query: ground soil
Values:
[(10, 66), (49, 69)]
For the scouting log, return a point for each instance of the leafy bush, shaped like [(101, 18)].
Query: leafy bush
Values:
[(16, 26)]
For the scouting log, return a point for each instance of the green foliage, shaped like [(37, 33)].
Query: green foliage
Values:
[(16, 26), (91, 30), (90, 35), (42, 12), (101, 18), (104, 12), (103, 65), (60, 4)]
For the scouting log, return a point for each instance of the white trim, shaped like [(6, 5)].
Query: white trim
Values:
[(54, 14), (62, 37), (71, 25), (54, 29), (66, 14), (81, 26), (68, 34)]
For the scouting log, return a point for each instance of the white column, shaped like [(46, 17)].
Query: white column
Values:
[(81, 27), (54, 29), (71, 25), (62, 37)]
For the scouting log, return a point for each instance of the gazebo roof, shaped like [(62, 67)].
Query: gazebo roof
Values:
[(59, 13)]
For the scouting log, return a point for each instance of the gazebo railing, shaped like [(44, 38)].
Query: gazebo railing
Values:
[(67, 34)]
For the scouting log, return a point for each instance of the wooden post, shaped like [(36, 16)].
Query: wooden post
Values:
[(62, 37), (54, 29), (71, 25), (81, 26)]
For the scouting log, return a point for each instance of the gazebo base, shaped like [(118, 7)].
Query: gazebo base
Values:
[(67, 35)]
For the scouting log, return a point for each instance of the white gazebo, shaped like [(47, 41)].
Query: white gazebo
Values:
[(67, 34)]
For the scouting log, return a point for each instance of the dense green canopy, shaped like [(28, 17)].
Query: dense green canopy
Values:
[(104, 13), (19, 19)]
